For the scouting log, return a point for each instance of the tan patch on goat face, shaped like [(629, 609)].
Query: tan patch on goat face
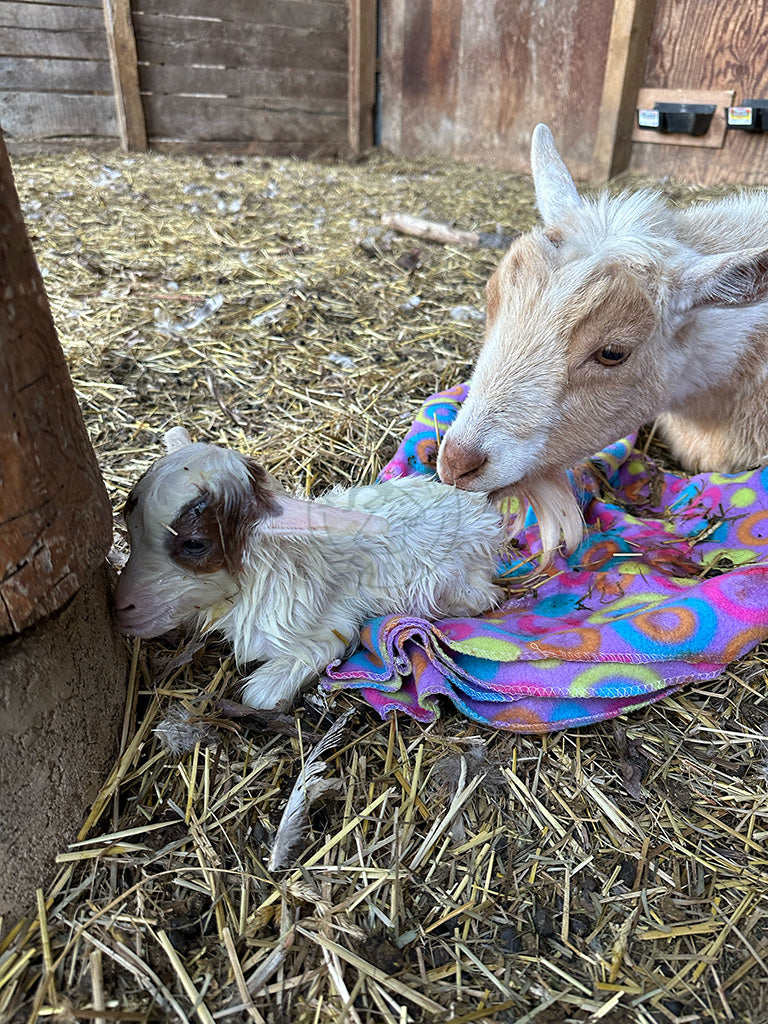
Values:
[(524, 268), (599, 404), (624, 317)]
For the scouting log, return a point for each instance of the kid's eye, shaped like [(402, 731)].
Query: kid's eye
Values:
[(612, 355), (194, 546)]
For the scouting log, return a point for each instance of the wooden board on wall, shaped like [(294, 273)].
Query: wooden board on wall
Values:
[(709, 44), (471, 78)]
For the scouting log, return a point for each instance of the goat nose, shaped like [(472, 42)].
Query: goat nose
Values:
[(459, 465)]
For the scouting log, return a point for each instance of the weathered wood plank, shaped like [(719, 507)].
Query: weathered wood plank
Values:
[(392, 26), (81, 45), (63, 144), (66, 3), (172, 79), (329, 15), (52, 17), (177, 40), (31, 116), (625, 62), (190, 118), (311, 149), (362, 73), (125, 75), (43, 74)]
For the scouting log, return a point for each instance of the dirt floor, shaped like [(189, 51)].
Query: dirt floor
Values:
[(616, 873)]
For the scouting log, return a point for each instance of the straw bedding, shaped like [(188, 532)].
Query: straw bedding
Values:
[(616, 873)]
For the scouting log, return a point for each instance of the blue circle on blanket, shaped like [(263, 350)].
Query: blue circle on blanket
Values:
[(442, 412), (483, 670), (557, 605), (670, 631)]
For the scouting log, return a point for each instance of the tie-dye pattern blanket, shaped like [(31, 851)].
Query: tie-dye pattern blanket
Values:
[(669, 585)]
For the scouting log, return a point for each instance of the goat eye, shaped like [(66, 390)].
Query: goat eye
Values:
[(194, 547), (611, 355)]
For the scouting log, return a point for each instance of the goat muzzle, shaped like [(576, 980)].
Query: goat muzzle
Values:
[(459, 465)]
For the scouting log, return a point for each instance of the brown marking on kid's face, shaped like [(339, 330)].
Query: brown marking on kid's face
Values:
[(210, 532)]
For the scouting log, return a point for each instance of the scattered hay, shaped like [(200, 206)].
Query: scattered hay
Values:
[(616, 873)]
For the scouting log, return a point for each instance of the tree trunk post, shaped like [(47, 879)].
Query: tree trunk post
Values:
[(62, 662)]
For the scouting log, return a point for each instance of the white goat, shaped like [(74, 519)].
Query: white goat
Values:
[(215, 542), (618, 311)]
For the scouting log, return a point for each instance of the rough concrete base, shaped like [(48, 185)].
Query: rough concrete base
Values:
[(62, 697)]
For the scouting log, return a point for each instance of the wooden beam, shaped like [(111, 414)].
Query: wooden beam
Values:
[(55, 516), (631, 27), (362, 74), (125, 74)]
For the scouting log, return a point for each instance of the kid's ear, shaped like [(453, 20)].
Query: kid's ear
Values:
[(176, 438), (729, 279), (301, 518)]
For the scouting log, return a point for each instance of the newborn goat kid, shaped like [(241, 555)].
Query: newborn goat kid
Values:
[(619, 310), (215, 542)]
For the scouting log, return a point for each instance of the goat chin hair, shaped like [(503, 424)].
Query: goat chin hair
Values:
[(557, 513)]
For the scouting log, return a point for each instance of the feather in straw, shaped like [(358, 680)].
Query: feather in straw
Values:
[(308, 788)]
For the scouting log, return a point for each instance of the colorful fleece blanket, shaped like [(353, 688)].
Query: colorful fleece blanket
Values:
[(669, 585)]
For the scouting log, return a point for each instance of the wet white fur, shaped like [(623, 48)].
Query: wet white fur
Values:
[(300, 599)]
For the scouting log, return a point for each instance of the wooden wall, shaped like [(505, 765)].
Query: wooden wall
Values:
[(709, 44), (460, 78), (264, 76), (471, 78), (247, 75), (55, 82)]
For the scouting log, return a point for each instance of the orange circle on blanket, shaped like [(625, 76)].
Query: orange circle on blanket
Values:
[(426, 451), (521, 720), (599, 554), (753, 530), (589, 646), (736, 645), (685, 625)]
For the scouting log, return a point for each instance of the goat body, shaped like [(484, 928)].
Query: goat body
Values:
[(215, 542), (618, 311)]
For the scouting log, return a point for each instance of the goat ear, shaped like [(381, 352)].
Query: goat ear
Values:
[(176, 438), (733, 279), (300, 518), (556, 193)]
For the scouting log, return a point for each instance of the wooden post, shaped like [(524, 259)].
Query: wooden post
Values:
[(125, 74), (625, 63), (55, 518), (362, 74), (62, 660)]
